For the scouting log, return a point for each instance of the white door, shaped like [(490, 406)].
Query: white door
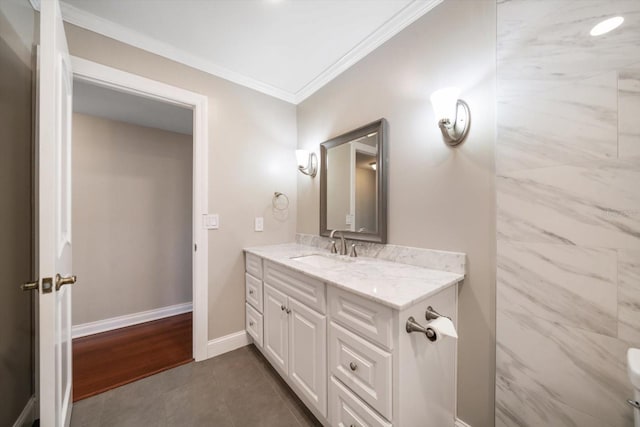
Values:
[(307, 353), (276, 326), (54, 219)]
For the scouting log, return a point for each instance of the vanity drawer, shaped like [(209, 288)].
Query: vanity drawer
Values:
[(366, 317), (346, 410), (308, 291), (253, 324), (253, 291), (253, 265), (362, 366)]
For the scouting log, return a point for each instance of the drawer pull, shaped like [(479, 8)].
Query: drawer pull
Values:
[(251, 323), (251, 292), (353, 366)]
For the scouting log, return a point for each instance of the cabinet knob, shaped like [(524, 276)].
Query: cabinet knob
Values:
[(353, 366), (288, 310), (282, 307), (251, 323), (250, 291)]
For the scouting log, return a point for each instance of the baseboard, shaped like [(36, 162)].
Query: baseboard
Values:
[(460, 423), (227, 343), (28, 414), (105, 325)]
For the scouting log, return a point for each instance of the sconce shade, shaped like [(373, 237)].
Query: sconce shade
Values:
[(302, 156), (452, 113), (307, 162), (444, 102)]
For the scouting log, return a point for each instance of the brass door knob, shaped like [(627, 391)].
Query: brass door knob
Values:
[(61, 281)]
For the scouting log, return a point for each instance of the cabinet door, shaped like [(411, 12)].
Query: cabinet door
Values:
[(308, 354), (346, 410), (276, 329)]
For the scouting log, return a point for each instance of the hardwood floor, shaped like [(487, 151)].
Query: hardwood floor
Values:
[(114, 358)]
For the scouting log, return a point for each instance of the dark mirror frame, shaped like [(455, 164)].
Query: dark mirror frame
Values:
[(381, 127)]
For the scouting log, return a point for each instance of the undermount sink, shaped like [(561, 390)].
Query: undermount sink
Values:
[(322, 261)]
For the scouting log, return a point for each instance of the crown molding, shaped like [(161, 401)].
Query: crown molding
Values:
[(393, 26), (91, 22), (390, 28)]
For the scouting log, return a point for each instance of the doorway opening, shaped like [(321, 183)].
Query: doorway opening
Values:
[(139, 192)]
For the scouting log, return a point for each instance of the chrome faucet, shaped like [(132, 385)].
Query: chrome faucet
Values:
[(343, 243)]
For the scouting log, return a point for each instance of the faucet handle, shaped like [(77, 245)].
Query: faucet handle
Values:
[(353, 253), (333, 248)]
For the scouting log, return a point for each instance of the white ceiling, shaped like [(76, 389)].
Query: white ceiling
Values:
[(111, 104), (285, 48)]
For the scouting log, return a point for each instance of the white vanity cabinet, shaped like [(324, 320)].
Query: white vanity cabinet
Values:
[(276, 326), (253, 299), (348, 356), (295, 333)]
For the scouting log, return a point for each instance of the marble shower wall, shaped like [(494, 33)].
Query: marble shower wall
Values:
[(568, 229)]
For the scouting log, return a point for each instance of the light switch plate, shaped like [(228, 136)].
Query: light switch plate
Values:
[(259, 223), (211, 221)]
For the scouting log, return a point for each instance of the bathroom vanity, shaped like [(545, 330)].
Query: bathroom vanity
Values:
[(334, 327)]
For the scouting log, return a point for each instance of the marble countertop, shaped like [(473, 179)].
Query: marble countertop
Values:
[(390, 283)]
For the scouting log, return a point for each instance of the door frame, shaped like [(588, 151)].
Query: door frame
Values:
[(102, 75)]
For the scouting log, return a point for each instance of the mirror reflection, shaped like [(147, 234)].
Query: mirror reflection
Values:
[(353, 193), (352, 185)]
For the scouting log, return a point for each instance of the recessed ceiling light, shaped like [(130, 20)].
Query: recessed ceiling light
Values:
[(607, 25)]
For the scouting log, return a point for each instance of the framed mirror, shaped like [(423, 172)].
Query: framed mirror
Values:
[(353, 184)]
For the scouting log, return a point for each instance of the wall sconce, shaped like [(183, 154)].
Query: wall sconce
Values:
[(452, 114), (307, 162)]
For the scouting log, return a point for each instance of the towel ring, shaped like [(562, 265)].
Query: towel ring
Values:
[(280, 201)]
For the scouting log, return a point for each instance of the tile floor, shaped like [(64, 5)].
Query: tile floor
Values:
[(236, 389)]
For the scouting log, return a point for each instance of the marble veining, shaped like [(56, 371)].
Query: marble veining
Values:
[(528, 406), (568, 212), (561, 283), (629, 296), (590, 204), (453, 262), (390, 283), (544, 43), (570, 124), (629, 105), (580, 369)]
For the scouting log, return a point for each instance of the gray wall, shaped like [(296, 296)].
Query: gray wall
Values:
[(16, 239), (252, 142), (439, 197), (131, 218), (568, 169)]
